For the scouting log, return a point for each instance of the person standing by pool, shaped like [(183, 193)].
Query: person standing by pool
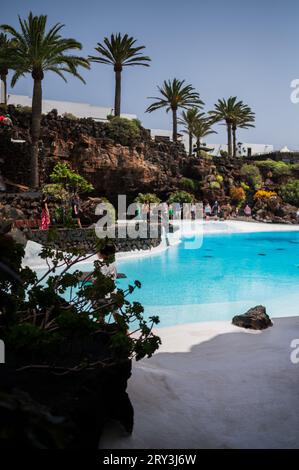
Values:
[(247, 210), (170, 212), (216, 208), (76, 209), (208, 211), (193, 211), (45, 214)]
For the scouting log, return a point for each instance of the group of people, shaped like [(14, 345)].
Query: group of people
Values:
[(217, 211), (45, 213), (177, 211), (172, 211)]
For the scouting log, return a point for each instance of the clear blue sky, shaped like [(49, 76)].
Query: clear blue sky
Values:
[(249, 49)]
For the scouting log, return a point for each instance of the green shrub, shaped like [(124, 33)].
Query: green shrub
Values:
[(24, 109), (70, 116), (290, 192), (252, 176), (190, 184), (63, 175), (277, 168), (244, 186), (180, 196), (215, 185), (124, 131), (147, 198), (206, 155), (219, 178), (40, 312)]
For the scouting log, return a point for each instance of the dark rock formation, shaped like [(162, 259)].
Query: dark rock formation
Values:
[(255, 318), (84, 399)]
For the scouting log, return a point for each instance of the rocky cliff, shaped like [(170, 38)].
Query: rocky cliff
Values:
[(111, 167)]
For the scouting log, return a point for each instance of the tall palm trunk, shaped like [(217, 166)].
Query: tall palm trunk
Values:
[(3, 76), (117, 98), (234, 129), (35, 130), (198, 146), (174, 125), (229, 138), (190, 144)]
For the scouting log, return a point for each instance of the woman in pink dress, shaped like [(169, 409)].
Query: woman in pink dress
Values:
[(45, 214)]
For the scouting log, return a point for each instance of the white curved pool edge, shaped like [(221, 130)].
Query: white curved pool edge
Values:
[(206, 228)]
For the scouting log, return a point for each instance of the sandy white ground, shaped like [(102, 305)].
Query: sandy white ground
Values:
[(214, 385)]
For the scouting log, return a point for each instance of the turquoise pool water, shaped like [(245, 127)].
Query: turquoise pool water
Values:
[(227, 275)]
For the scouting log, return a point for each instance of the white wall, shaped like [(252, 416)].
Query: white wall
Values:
[(81, 110)]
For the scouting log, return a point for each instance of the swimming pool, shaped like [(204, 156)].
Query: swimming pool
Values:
[(228, 274)]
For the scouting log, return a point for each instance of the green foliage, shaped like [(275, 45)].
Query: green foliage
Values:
[(63, 175), (189, 184), (223, 153), (70, 116), (175, 94), (56, 190), (23, 109), (180, 196), (124, 131), (244, 186), (278, 169), (290, 192), (219, 178), (147, 198), (38, 315), (215, 185), (205, 155), (252, 176)]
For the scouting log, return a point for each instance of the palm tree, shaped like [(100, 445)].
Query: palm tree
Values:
[(243, 119), (225, 110), (202, 128), (188, 119), (120, 52), (38, 51), (175, 95), (6, 63)]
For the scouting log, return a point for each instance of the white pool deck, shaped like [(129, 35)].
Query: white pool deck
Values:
[(214, 385)]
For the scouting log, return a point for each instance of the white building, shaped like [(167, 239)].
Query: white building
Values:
[(80, 110), (243, 149)]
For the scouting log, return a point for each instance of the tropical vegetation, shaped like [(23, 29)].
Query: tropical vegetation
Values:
[(119, 51), (188, 119), (37, 50), (235, 114), (175, 94), (290, 192), (7, 49), (181, 197), (252, 175)]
